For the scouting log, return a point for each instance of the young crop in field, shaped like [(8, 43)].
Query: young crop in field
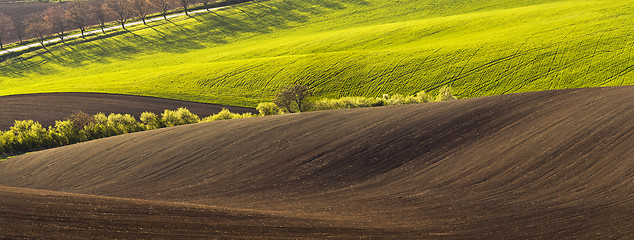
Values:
[(244, 54)]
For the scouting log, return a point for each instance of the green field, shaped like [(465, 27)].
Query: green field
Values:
[(242, 55)]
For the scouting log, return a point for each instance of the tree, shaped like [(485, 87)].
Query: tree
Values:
[(121, 10), (268, 108), (80, 120), (163, 6), (37, 27), (205, 4), (78, 15), (185, 5), (18, 29), (294, 95), (58, 19), (6, 24), (141, 9), (102, 14)]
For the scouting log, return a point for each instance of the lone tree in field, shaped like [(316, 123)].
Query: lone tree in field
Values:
[(185, 5), (121, 9), (37, 27), (57, 19), (141, 9), (78, 15), (102, 14), (294, 95), (6, 25), (163, 6)]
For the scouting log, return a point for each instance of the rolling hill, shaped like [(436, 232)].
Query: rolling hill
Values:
[(548, 165), (240, 56)]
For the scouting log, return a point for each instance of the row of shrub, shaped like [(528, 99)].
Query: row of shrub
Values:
[(28, 135), (445, 94)]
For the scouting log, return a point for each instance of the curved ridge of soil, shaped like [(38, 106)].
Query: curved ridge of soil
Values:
[(46, 108), (549, 165)]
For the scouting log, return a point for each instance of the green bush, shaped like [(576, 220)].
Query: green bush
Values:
[(150, 120), (419, 97), (180, 116), (246, 115), (99, 128), (121, 124), (345, 102), (112, 125), (268, 108), (359, 102), (396, 99), (29, 135), (64, 133), (7, 140), (445, 94), (223, 115)]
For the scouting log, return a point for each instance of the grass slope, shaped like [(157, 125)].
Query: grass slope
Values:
[(241, 56), (541, 165)]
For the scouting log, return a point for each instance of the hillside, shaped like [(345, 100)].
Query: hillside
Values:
[(549, 165), (113, 218), (240, 56), (46, 108)]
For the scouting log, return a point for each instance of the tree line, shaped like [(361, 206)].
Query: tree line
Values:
[(29, 135), (297, 98), (81, 15)]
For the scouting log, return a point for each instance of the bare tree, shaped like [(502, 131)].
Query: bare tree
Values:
[(121, 10), (163, 6), (78, 15), (294, 95), (205, 4), (58, 19), (18, 29), (102, 14), (37, 27), (185, 5), (141, 9), (6, 24)]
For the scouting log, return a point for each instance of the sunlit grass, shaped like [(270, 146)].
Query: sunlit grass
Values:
[(241, 56)]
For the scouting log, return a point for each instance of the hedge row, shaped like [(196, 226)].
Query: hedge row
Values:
[(28, 135), (445, 94)]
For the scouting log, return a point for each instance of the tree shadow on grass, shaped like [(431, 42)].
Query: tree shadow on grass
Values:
[(171, 36)]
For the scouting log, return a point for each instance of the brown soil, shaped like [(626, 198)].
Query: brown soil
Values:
[(46, 108), (545, 165)]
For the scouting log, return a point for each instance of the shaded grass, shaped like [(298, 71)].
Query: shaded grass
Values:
[(242, 55)]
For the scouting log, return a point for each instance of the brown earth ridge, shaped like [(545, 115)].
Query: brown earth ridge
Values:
[(46, 108), (541, 165)]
